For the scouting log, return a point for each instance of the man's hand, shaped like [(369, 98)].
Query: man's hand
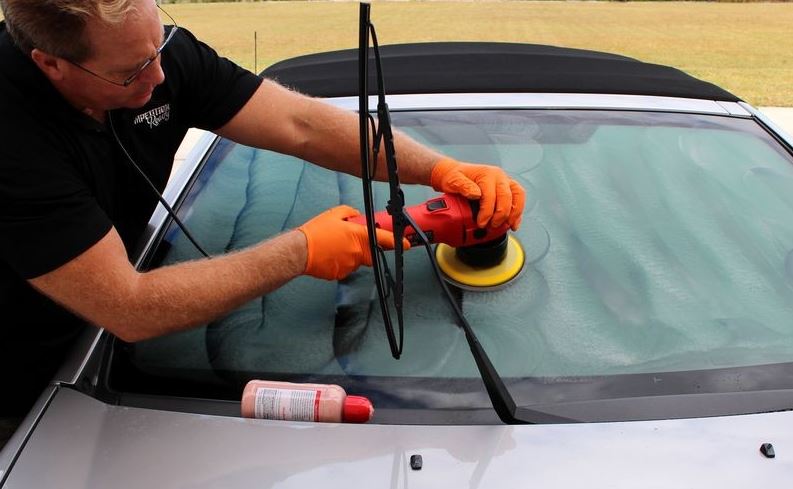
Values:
[(337, 247), (500, 198)]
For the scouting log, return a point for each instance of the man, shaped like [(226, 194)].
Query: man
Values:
[(73, 74)]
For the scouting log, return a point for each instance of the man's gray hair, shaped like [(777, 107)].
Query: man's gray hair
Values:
[(57, 26)]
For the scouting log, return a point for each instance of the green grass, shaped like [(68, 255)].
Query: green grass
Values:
[(744, 47)]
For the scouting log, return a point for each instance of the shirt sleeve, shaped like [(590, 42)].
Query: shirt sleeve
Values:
[(48, 215), (210, 89)]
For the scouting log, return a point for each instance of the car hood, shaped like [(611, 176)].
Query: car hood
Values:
[(82, 442)]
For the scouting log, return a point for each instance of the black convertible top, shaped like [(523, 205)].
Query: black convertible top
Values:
[(458, 67)]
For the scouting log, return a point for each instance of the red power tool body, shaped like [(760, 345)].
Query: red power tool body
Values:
[(448, 219)]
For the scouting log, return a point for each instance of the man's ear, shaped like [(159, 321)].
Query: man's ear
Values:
[(51, 66)]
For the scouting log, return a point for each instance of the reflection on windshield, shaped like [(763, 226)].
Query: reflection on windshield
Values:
[(655, 242)]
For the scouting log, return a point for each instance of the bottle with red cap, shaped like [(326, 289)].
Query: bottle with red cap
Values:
[(328, 403)]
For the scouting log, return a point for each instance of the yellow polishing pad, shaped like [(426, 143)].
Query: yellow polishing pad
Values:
[(472, 278)]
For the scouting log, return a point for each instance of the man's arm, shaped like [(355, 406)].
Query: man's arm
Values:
[(102, 286), (287, 122)]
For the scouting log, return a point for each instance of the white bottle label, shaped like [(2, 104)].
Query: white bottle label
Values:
[(287, 404)]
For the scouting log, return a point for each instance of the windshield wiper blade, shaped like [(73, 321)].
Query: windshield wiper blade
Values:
[(386, 285), (502, 401)]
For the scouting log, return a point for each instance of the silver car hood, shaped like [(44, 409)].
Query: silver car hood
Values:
[(82, 442)]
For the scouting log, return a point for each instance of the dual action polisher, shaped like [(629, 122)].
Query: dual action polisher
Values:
[(470, 257)]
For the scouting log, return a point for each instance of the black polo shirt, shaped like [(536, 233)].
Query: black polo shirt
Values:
[(64, 182)]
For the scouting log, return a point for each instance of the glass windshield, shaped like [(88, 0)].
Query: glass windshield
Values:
[(655, 243)]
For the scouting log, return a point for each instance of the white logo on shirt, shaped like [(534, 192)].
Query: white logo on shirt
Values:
[(154, 116)]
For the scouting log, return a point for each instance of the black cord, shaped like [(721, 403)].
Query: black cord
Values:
[(154, 189)]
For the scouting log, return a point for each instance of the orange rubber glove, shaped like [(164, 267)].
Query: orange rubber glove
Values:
[(500, 198), (337, 247)]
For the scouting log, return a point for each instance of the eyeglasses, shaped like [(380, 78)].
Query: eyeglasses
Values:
[(128, 81)]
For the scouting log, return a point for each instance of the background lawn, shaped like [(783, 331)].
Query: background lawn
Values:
[(744, 47)]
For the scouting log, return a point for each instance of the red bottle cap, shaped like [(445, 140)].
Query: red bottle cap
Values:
[(357, 409)]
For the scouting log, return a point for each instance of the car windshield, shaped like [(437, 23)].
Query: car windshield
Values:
[(659, 260)]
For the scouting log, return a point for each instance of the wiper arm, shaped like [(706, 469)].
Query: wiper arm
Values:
[(499, 395)]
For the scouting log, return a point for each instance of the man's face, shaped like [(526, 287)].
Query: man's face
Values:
[(118, 52)]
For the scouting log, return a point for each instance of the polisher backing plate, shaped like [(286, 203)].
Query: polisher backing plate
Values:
[(470, 278)]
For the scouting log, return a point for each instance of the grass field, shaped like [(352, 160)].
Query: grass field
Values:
[(744, 47)]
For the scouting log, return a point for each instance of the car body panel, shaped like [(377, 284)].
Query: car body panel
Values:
[(83, 442)]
